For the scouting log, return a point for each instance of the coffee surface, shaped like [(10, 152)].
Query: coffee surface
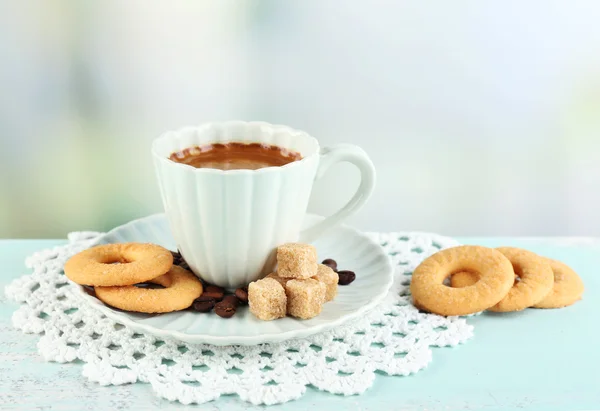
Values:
[(235, 156)]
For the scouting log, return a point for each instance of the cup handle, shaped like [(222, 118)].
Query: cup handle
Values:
[(337, 154)]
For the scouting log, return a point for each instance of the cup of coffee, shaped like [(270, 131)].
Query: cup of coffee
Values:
[(234, 191)]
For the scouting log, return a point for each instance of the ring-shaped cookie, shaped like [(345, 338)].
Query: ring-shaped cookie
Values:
[(535, 280), (138, 263), (496, 278), (568, 287), (181, 289)]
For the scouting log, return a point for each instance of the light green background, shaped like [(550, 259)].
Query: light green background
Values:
[(481, 117)]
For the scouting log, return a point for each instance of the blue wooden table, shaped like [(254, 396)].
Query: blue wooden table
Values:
[(532, 360)]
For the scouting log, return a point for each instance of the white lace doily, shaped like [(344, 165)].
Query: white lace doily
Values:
[(394, 338)]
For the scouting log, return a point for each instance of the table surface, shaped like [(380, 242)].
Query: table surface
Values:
[(532, 360)]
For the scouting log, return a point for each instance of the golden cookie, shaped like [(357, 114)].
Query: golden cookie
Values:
[(138, 263), (536, 280), (181, 289), (568, 287), (496, 278)]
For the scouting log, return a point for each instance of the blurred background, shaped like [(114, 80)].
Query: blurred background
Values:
[(482, 118)]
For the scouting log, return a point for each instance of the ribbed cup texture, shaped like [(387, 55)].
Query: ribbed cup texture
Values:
[(227, 224)]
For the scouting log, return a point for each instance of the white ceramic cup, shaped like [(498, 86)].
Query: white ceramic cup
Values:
[(227, 224)]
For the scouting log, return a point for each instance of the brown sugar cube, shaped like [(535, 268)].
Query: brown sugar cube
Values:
[(330, 278), (305, 298), (296, 260), (281, 280), (267, 299)]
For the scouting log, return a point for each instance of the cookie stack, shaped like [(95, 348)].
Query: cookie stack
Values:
[(114, 270), (502, 280)]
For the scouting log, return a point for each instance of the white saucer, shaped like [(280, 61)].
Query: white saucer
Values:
[(351, 249)]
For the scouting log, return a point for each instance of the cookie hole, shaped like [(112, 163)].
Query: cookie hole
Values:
[(113, 347), (377, 345), (400, 335), (315, 348), (79, 324), (74, 345), (291, 350), (95, 336), (43, 315), (61, 297), (122, 367), (272, 382), (403, 238), (267, 355), (404, 293), (35, 287), (344, 374), (234, 370), (237, 355), (71, 311), (61, 285), (168, 362), (330, 359), (354, 353), (202, 367), (440, 328), (118, 327), (413, 322), (391, 315), (384, 244), (183, 349), (135, 336), (405, 283), (407, 273), (266, 368), (402, 263), (299, 365), (417, 250), (158, 343), (359, 333), (436, 245), (191, 383), (149, 286), (394, 253), (138, 355), (377, 325), (338, 340), (400, 354), (208, 353)]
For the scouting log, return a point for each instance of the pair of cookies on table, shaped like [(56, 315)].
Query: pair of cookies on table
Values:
[(115, 269), (299, 287), (502, 280)]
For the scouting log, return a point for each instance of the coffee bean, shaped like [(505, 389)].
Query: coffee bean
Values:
[(176, 254), (214, 291), (204, 304), (225, 309), (231, 299), (330, 263), (242, 295), (346, 277)]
